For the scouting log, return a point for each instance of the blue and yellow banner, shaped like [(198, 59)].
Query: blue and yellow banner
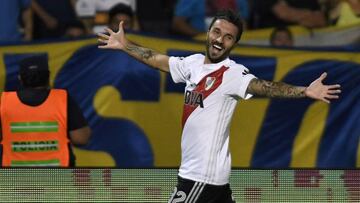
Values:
[(135, 111)]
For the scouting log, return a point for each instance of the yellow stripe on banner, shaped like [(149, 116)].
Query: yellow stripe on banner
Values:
[(297, 31), (86, 158), (262, 34), (163, 45), (306, 144)]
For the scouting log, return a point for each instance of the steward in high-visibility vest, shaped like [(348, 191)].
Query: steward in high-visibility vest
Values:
[(35, 136), (34, 121)]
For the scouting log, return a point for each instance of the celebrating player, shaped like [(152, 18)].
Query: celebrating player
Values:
[(214, 84)]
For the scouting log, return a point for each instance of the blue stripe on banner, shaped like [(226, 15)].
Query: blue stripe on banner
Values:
[(338, 147)]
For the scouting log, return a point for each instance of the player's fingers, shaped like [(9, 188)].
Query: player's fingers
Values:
[(337, 86), (332, 96), (102, 46), (102, 35), (334, 91), (325, 100), (121, 25), (103, 41), (109, 31), (323, 76)]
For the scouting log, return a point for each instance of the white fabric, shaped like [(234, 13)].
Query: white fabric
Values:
[(205, 138), (88, 8)]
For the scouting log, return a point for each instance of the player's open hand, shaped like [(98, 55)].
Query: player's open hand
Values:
[(317, 90), (113, 40)]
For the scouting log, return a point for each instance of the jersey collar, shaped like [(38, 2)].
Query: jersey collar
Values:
[(225, 62)]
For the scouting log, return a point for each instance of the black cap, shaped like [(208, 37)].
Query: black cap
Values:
[(34, 63)]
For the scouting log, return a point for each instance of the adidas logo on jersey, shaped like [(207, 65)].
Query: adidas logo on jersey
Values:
[(194, 98)]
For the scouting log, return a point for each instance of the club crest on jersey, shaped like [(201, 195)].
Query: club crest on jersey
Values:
[(194, 98), (209, 82)]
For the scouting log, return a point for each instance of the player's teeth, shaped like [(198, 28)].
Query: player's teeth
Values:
[(216, 46)]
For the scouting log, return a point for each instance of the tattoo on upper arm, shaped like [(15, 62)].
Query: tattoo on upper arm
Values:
[(274, 89)]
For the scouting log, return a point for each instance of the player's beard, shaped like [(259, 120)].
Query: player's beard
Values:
[(216, 59)]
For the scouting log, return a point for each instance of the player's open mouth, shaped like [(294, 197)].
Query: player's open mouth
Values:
[(217, 47)]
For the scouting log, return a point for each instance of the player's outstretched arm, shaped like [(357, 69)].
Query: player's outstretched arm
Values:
[(316, 90), (117, 40)]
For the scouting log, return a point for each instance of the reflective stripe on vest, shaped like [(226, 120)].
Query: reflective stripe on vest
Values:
[(34, 126), (35, 136), (53, 162)]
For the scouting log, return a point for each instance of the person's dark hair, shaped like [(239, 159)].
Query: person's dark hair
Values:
[(231, 17), (280, 29), (120, 8), (34, 72)]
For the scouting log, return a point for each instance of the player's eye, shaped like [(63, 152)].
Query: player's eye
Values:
[(216, 31), (228, 37)]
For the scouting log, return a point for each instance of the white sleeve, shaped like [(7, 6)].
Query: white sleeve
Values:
[(244, 85), (85, 8), (178, 69), (239, 82)]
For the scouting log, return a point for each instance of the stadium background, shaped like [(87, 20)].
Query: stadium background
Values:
[(135, 114), (135, 111)]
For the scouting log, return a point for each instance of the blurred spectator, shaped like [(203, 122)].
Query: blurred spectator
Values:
[(95, 13), (343, 12), (193, 17), (75, 29), (273, 13), (121, 12), (332, 8), (281, 37), (51, 17), (11, 13)]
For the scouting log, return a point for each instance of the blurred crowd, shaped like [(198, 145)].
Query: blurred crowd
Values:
[(43, 19)]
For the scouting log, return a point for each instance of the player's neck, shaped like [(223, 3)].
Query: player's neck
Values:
[(207, 60)]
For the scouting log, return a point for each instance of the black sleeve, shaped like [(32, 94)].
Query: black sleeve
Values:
[(76, 118)]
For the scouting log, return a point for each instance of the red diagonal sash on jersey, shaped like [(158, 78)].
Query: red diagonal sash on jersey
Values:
[(200, 88)]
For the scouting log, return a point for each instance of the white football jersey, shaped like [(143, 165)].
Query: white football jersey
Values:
[(211, 94)]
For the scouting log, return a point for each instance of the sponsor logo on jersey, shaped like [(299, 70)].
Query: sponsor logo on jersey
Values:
[(209, 82), (194, 98)]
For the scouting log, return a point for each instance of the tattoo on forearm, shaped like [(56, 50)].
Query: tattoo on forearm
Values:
[(141, 52), (275, 89)]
